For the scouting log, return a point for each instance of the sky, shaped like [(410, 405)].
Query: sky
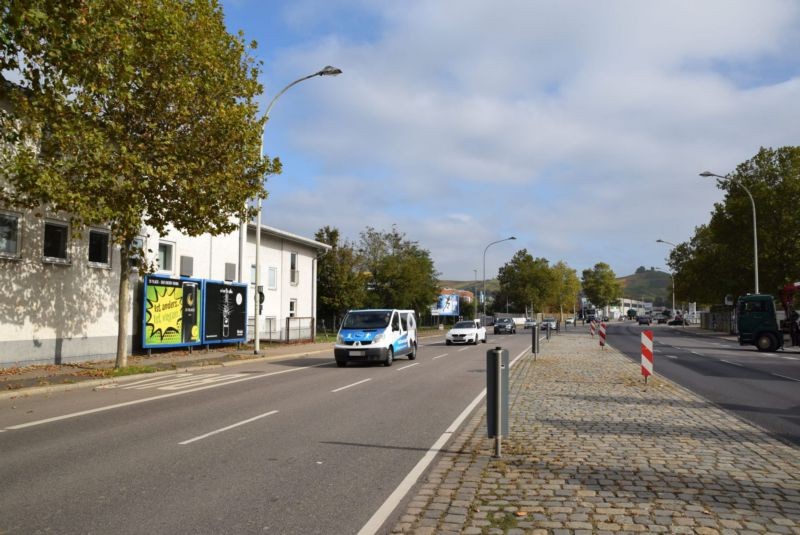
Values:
[(579, 127)]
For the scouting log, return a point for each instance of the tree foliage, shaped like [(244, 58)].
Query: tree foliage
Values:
[(566, 286), (341, 285), (600, 285), (718, 259), (135, 113), (526, 281), (400, 273)]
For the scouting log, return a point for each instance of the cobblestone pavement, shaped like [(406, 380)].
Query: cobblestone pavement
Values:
[(592, 449)]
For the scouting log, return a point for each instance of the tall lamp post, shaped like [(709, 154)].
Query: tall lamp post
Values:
[(475, 295), (670, 273), (484, 269), (755, 228), (326, 71)]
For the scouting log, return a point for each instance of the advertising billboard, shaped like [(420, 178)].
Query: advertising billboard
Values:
[(446, 305), (225, 312), (172, 312)]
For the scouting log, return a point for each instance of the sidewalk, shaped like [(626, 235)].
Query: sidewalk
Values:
[(593, 450)]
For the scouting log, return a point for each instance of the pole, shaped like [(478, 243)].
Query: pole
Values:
[(498, 436), (326, 71), (484, 269)]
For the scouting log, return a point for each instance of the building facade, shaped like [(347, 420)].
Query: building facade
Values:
[(59, 285)]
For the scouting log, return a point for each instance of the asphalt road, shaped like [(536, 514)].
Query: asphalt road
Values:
[(295, 446), (763, 388)]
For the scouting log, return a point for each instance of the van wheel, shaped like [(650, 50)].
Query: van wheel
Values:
[(389, 357), (766, 342), (341, 363), (413, 354)]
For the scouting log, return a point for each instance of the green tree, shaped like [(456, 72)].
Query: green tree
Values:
[(600, 285), (341, 286), (566, 287), (401, 274), (133, 113), (526, 282), (718, 259), (641, 269)]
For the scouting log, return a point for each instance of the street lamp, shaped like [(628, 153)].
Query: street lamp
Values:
[(326, 71), (670, 273), (755, 228), (484, 269)]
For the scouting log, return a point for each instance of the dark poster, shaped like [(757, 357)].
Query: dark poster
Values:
[(225, 313)]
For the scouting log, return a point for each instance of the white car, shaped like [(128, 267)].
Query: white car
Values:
[(569, 321), (466, 332), (549, 322), (529, 323)]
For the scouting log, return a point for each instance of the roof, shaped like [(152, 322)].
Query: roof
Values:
[(284, 235)]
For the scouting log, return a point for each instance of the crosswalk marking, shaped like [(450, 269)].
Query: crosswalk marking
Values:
[(185, 381)]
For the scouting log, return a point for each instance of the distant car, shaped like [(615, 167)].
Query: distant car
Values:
[(644, 320), (662, 319), (605, 318), (504, 325), (677, 321), (569, 321), (549, 322), (590, 318), (466, 332), (529, 323)]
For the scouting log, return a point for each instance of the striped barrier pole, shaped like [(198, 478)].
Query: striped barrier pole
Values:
[(647, 354), (602, 333), (591, 327)]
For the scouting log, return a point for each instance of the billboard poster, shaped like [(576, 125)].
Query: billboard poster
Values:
[(172, 312), (446, 305), (225, 313)]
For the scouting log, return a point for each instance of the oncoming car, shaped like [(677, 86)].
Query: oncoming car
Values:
[(504, 325), (466, 332)]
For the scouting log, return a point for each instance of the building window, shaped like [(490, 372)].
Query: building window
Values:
[(292, 308), (56, 237), (272, 278), (100, 247), (9, 235), (165, 256), (294, 277)]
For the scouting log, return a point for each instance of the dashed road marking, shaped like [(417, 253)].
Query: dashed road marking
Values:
[(243, 422), (786, 377), (348, 386), (406, 367), (732, 363), (439, 356)]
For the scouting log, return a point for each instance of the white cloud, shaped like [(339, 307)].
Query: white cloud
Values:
[(578, 126)]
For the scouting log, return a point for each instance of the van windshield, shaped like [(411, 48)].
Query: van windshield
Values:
[(374, 319)]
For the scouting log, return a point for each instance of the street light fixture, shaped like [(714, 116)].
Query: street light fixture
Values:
[(755, 228), (326, 71), (670, 273), (484, 269)]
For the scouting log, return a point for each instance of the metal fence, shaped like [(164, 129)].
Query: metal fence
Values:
[(299, 330)]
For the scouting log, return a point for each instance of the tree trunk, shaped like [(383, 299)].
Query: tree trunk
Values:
[(124, 298)]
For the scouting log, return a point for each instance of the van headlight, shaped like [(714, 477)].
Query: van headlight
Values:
[(378, 338), (339, 338)]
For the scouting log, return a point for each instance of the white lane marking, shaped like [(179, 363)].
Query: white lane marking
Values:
[(154, 398), (406, 367), (253, 419), (189, 382), (732, 363), (394, 499), (696, 353), (440, 356), (463, 349), (348, 386), (790, 358), (786, 377), (154, 379), (671, 356)]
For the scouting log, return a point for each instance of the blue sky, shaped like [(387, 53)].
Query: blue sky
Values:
[(577, 126)]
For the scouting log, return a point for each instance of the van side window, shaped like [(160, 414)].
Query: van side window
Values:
[(404, 321), (396, 322)]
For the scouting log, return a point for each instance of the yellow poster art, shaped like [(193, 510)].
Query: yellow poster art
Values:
[(171, 315)]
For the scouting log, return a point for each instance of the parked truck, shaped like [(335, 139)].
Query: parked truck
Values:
[(761, 324)]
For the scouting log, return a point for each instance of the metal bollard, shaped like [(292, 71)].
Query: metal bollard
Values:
[(535, 341), (497, 396)]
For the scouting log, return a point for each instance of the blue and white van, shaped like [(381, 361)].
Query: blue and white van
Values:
[(376, 335)]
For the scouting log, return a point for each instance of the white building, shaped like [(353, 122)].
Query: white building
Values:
[(59, 287)]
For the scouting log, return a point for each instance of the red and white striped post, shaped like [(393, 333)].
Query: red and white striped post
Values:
[(602, 333), (647, 354), (592, 325)]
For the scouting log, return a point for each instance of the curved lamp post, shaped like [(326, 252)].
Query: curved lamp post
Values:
[(326, 71), (670, 273), (755, 229), (484, 269)]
